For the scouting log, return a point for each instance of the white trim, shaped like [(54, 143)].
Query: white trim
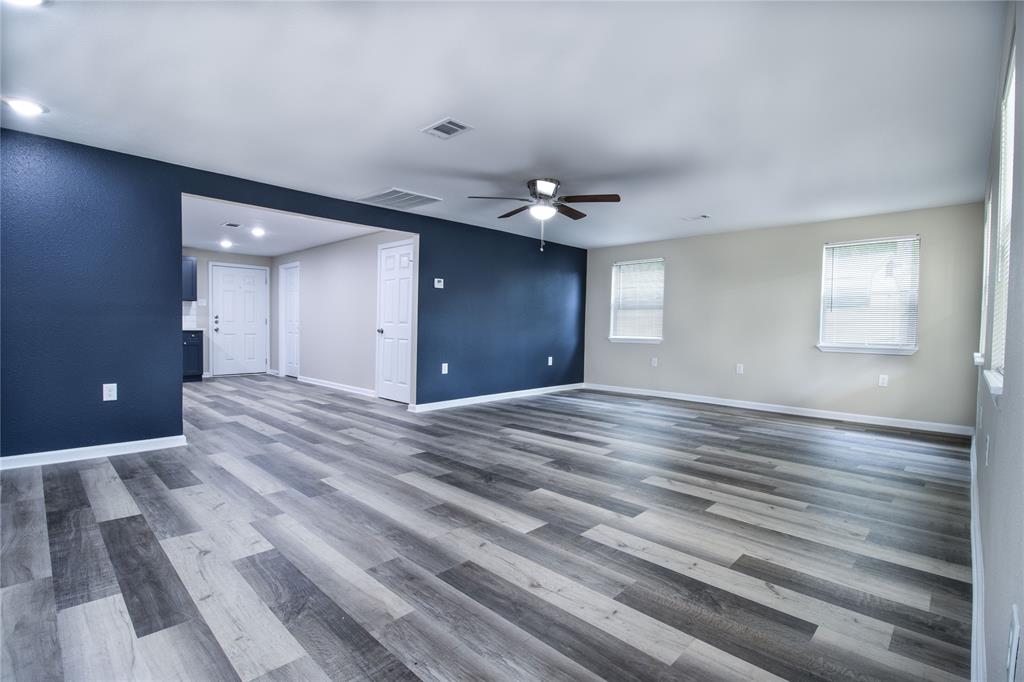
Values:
[(978, 661), (871, 350), (91, 452), (979, 359), (339, 387), (876, 240), (281, 331), (207, 375), (994, 382), (491, 397), (209, 314), (274, 373), (634, 339), (913, 424), (413, 241)]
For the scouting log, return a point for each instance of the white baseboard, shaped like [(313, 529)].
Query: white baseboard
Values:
[(274, 373), (979, 672), (915, 425), (91, 452), (358, 390), (490, 397), (207, 375)]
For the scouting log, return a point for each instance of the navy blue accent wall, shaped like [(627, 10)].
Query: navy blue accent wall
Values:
[(90, 249)]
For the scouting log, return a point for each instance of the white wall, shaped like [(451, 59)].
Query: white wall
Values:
[(1000, 436), (753, 297), (337, 310), (201, 306)]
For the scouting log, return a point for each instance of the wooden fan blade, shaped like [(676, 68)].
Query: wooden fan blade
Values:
[(502, 198), (513, 212), (570, 212), (580, 198)]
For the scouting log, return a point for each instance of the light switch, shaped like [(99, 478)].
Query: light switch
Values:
[(739, 368), (444, 368), (109, 392), (438, 283), (551, 361), (883, 380), (654, 362)]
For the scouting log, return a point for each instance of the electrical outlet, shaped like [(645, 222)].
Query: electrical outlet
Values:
[(109, 392), (739, 368), (654, 362), (551, 361), (883, 380), (444, 368), (438, 283)]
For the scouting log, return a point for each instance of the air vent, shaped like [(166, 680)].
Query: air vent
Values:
[(446, 128), (399, 199), (231, 225)]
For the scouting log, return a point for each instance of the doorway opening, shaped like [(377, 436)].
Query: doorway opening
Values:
[(323, 302)]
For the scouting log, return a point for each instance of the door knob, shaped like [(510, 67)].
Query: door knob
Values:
[(380, 330)]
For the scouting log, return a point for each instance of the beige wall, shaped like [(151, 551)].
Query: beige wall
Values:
[(337, 310), (999, 441), (201, 306), (753, 297)]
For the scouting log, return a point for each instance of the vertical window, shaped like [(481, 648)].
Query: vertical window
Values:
[(869, 296), (985, 270), (638, 297), (1002, 254)]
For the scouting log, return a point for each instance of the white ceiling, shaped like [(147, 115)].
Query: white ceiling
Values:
[(755, 113), (202, 227)]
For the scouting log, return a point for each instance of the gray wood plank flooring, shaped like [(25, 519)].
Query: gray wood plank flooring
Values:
[(310, 534)]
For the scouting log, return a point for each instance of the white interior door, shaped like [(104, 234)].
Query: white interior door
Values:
[(238, 319), (396, 275), (290, 319)]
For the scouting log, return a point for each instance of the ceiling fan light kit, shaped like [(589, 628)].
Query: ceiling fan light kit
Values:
[(544, 202)]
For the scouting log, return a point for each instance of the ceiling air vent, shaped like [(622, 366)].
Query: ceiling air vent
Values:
[(446, 128), (231, 225), (399, 199)]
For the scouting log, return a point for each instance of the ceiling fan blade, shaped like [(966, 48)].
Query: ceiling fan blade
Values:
[(580, 198), (570, 212), (513, 212), (502, 198)]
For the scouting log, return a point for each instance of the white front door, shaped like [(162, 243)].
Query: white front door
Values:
[(289, 360), (238, 319), (396, 275)]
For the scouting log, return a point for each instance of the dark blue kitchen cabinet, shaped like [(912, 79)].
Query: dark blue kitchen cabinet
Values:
[(192, 355), (189, 271)]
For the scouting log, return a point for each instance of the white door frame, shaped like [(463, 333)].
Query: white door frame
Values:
[(415, 242), (281, 331), (209, 313)]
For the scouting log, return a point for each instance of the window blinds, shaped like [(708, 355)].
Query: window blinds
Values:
[(638, 296), (869, 295), (1002, 259)]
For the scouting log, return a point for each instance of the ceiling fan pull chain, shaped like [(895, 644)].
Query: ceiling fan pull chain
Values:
[(542, 235)]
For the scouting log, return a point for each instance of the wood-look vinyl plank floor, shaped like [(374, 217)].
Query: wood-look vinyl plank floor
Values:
[(309, 534)]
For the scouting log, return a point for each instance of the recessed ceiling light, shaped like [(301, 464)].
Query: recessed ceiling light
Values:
[(258, 232), (25, 3), (542, 211), (25, 107), (226, 243)]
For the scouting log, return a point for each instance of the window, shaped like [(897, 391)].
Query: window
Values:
[(985, 270), (638, 295), (869, 296), (1002, 254)]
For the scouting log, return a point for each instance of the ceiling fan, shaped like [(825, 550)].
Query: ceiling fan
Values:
[(544, 201)]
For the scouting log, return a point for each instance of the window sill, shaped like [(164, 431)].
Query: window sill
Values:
[(994, 381), (633, 339), (867, 349)]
